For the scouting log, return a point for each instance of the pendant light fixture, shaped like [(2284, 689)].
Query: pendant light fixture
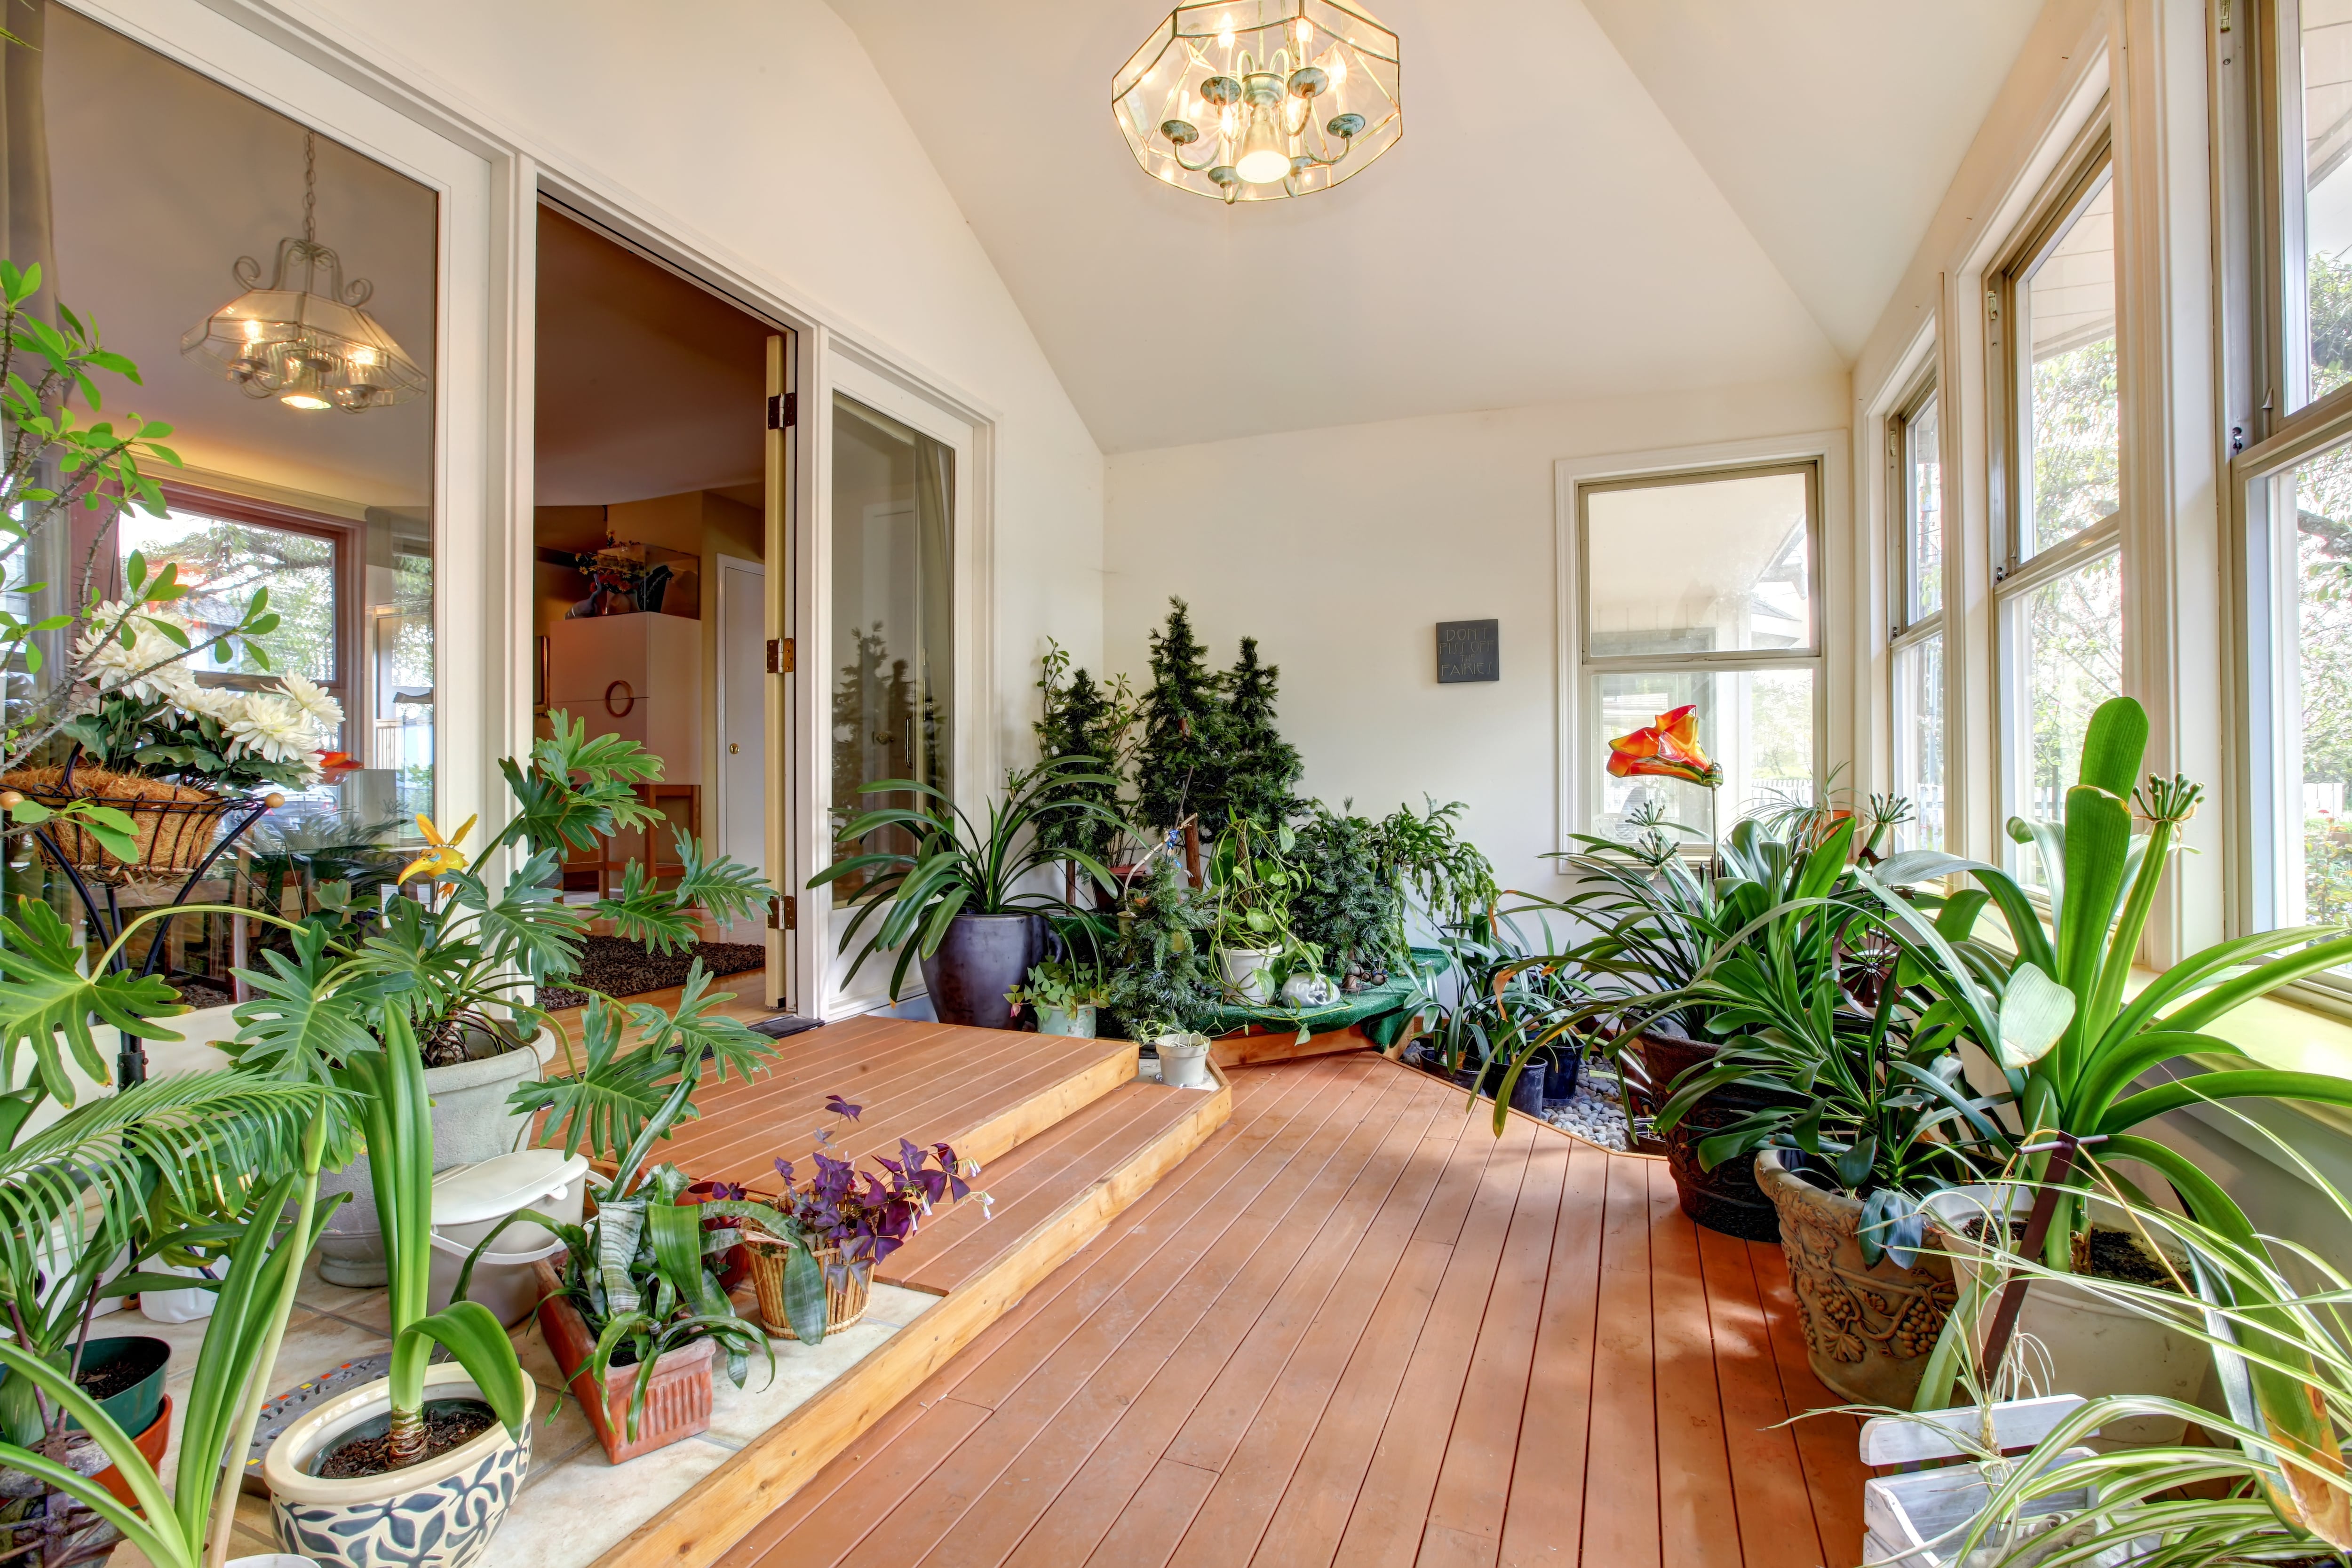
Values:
[(310, 349), (1252, 100)]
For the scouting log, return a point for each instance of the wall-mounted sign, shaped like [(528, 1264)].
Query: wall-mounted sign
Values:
[(1469, 650)]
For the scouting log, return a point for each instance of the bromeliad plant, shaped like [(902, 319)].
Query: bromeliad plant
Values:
[(924, 864), (2048, 1006)]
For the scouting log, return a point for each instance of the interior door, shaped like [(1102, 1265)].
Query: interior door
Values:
[(742, 816)]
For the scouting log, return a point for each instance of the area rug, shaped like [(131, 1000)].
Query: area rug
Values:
[(620, 968)]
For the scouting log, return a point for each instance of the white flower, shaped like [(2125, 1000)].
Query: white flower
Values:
[(323, 709), (275, 727), (221, 702), (151, 667)]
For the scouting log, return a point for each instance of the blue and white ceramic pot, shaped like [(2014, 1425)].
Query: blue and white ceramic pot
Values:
[(439, 1514)]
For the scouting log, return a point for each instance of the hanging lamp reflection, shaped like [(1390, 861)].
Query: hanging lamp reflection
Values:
[(307, 347), (1256, 100)]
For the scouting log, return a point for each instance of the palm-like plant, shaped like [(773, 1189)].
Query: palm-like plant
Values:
[(2050, 1006), (953, 865), (189, 1526)]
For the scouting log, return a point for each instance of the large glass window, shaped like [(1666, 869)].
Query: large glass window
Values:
[(2320, 111), (892, 678), (2060, 577), (1698, 591), (1916, 639), (2313, 593)]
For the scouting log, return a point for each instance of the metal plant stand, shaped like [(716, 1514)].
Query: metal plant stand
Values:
[(173, 821)]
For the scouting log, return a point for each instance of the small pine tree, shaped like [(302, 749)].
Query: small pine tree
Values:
[(1260, 766), (1184, 724), (1080, 720), (1160, 965)]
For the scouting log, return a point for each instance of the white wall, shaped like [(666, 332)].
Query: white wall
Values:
[(1341, 549), (757, 131)]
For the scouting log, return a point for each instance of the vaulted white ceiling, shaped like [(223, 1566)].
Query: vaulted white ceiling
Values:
[(1590, 200)]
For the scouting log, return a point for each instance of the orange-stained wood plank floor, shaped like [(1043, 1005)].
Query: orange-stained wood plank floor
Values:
[(1355, 1327)]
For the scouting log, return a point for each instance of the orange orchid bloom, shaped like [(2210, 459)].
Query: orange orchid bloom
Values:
[(1668, 748), (331, 764)]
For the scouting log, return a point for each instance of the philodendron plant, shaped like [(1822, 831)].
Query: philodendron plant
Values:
[(2049, 1005)]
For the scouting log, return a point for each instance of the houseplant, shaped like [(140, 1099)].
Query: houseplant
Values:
[(845, 1228), (1066, 994), (1255, 882), (1159, 956), (189, 1526), (1081, 719), (62, 471), (1349, 905), (953, 897), (466, 959), (2048, 1006)]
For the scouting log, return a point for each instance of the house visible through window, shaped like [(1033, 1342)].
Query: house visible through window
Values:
[(1698, 591)]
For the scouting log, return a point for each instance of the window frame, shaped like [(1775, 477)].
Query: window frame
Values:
[(1580, 804), (2016, 574), (1902, 633)]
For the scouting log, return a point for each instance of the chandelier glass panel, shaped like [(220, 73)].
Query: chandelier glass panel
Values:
[(1252, 100)]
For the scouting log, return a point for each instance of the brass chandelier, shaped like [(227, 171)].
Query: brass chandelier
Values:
[(307, 348), (1252, 101)]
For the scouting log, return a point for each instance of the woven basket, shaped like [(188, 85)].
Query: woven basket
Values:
[(175, 825), (846, 1290)]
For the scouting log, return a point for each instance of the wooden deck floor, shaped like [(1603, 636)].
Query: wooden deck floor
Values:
[(1354, 1327)]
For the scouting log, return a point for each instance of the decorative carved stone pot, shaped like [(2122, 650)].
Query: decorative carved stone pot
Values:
[(1868, 1329)]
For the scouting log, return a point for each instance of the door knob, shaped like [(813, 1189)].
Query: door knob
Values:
[(733, 748)]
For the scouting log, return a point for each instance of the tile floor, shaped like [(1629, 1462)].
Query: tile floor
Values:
[(577, 1504)]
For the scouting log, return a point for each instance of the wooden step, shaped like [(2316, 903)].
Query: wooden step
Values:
[(984, 1091), (1051, 1194)]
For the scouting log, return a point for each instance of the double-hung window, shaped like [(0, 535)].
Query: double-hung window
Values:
[(1698, 591), (2292, 484), (1915, 636), (2058, 531)]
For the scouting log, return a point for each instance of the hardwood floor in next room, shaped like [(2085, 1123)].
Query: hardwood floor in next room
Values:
[(1355, 1327)]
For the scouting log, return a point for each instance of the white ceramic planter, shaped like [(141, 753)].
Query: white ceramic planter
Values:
[(2095, 1347), (1183, 1060), (1078, 1022), (470, 1124), (439, 1514), (1245, 970)]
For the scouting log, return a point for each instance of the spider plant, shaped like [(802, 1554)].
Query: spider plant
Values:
[(2048, 1006), (2283, 1356), (936, 861)]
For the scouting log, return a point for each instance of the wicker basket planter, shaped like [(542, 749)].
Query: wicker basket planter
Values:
[(846, 1290), (677, 1403), (176, 825)]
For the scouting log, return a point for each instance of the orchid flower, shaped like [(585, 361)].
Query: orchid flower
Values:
[(442, 855), (1668, 748)]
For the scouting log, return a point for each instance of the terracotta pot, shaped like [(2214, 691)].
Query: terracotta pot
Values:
[(1725, 1199), (677, 1403), (1868, 1329), (151, 1444)]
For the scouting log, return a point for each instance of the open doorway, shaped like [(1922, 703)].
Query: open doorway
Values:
[(659, 523)]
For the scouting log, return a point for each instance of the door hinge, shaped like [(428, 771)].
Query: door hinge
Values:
[(780, 656), (784, 412), (784, 912)]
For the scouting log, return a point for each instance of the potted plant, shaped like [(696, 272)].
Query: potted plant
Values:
[(836, 1230), (633, 1314), (2048, 1006), (941, 888), (468, 957), (1067, 995), (1183, 1057), (1159, 952), (1255, 882), (188, 1527)]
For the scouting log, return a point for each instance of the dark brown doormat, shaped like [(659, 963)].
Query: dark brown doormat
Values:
[(785, 1024), (620, 968)]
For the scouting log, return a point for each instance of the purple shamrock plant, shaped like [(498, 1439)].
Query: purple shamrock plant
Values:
[(867, 1216)]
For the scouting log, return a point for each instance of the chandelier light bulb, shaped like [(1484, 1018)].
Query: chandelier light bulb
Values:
[(1263, 161)]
